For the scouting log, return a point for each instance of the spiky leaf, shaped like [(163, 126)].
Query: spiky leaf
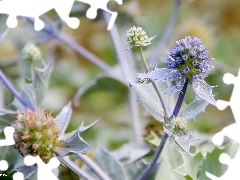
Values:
[(204, 91), (109, 164), (170, 160), (40, 83), (6, 118), (63, 117), (131, 152), (159, 74), (192, 110), (74, 144), (103, 158), (147, 96), (190, 167)]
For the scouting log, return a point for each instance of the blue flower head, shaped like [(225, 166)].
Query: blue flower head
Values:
[(187, 62), (190, 58)]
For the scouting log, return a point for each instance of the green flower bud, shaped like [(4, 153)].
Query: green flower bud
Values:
[(31, 53), (136, 36), (179, 126), (36, 133)]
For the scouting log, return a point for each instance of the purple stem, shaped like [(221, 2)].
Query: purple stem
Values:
[(10, 87), (165, 135), (180, 100)]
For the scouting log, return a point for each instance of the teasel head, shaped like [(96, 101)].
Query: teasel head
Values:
[(190, 58), (36, 133)]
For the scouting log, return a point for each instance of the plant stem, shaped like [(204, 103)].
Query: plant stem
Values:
[(79, 172), (143, 59), (10, 87), (69, 41), (127, 71), (153, 82), (155, 157), (94, 167), (168, 30), (180, 100), (1, 96), (165, 135)]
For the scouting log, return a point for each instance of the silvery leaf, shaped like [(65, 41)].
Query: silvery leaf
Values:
[(63, 117), (74, 144), (147, 96), (204, 91), (184, 142), (159, 74), (192, 110)]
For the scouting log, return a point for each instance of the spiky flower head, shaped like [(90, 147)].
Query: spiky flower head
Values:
[(136, 36), (179, 126), (31, 53), (190, 58), (36, 133)]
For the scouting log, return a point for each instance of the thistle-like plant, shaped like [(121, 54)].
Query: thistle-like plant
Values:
[(187, 64), (37, 131)]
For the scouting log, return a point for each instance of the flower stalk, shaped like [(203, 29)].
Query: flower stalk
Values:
[(165, 135), (14, 92), (153, 82)]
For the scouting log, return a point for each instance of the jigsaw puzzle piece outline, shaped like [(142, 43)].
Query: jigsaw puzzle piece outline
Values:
[(229, 78), (8, 141), (232, 172), (25, 8), (95, 5), (36, 8), (44, 170), (231, 131)]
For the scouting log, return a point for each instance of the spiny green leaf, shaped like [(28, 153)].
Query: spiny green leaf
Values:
[(211, 161), (147, 96), (63, 117), (159, 74), (33, 92), (185, 141), (170, 160), (153, 138), (139, 167), (74, 144), (131, 152), (15, 162), (40, 83), (103, 158), (7, 118), (190, 166), (27, 95), (28, 171), (204, 91), (45, 73), (192, 110), (83, 128)]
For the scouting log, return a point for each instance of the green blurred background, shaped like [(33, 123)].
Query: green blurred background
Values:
[(216, 22)]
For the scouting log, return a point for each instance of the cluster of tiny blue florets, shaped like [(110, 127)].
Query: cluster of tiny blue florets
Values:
[(190, 58)]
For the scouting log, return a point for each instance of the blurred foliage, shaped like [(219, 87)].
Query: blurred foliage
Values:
[(216, 22)]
